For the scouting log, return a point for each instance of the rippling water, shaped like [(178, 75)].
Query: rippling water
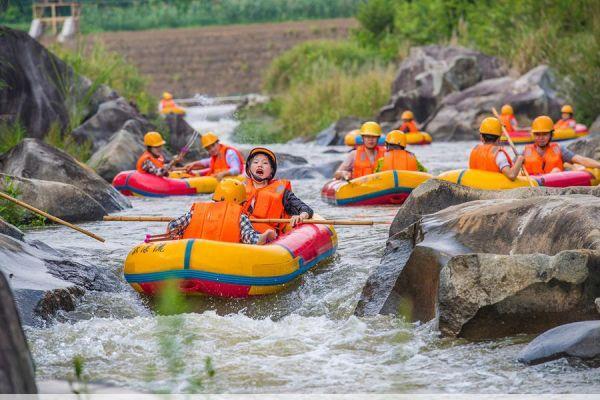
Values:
[(304, 339)]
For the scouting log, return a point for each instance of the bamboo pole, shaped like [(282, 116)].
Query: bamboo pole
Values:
[(50, 217), (347, 222), (512, 146)]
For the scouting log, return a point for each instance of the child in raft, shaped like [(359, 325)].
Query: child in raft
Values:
[(269, 197), (152, 160), (222, 220)]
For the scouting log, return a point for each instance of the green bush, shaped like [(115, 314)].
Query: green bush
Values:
[(310, 61), (11, 135), (55, 137), (309, 108), (13, 213)]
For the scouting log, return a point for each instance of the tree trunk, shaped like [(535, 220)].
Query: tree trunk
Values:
[(16, 365)]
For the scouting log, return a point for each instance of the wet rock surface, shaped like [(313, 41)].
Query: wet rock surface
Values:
[(45, 281), (515, 262), (579, 340), (39, 88), (587, 146), (119, 154), (110, 118), (460, 113), (430, 73), (16, 364), (34, 159), (334, 134), (10, 230)]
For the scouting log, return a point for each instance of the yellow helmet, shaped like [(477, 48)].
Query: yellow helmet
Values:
[(491, 126), (153, 139), (370, 129), (407, 115), (566, 109), (167, 96), (507, 110), (209, 138), (230, 190), (396, 137), (542, 124)]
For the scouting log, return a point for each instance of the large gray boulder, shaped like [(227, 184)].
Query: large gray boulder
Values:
[(430, 73), (334, 134), (38, 88), (34, 159), (594, 129), (579, 340), (119, 154), (16, 365), (460, 113), (44, 281), (588, 146), (110, 118), (10, 230), (515, 262), (56, 198)]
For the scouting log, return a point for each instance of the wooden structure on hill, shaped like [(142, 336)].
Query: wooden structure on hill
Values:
[(55, 14)]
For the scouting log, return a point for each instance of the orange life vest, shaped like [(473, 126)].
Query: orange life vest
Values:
[(399, 160), (218, 163), (267, 202), (509, 122), (483, 157), (542, 164), (215, 221), (362, 164), (159, 162), (409, 127), (565, 124)]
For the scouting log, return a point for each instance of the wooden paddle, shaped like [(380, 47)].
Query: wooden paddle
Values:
[(150, 218), (50, 217), (512, 146)]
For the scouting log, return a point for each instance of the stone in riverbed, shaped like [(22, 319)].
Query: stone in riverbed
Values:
[(10, 230), (587, 146), (16, 365), (576, 340), (34, 159), (119, 154)]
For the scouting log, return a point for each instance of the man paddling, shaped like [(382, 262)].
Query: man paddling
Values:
[(543, 156), (489, 155), (396, 156), (152, 161), (224, 160), (363, 160)]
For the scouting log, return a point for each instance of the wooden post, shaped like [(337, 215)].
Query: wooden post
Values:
[(16, 365), (53, 10)]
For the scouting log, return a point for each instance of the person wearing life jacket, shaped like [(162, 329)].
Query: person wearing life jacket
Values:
[(566, 120), (363, 160), (507, 117), (489, 155), (168, 105), (396, 157), (268, 197), (543, 156), (152, 160), (223, 161), (408, 122), (222, 220)]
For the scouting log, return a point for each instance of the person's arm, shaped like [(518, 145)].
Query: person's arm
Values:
[(344, 171), (150, 168), (585, 161), (200, 164), (178, 225), (249, 235), (511, 172)]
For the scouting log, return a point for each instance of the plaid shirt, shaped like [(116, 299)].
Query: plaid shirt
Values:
[(150, 168), (248, 233)]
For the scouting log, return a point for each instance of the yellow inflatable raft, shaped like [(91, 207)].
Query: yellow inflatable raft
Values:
[(387, 187), (484, 179)]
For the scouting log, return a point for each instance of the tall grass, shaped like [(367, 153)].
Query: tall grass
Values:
[(313, 60), (308, 108), (10, 135), (55, 137)]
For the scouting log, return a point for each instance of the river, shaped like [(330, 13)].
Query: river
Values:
[(304, 339)]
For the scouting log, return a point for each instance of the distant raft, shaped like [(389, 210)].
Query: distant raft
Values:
[(387, 187), (229, 269), (354, 138), (496, 181), (134, 183), (525, 136)]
